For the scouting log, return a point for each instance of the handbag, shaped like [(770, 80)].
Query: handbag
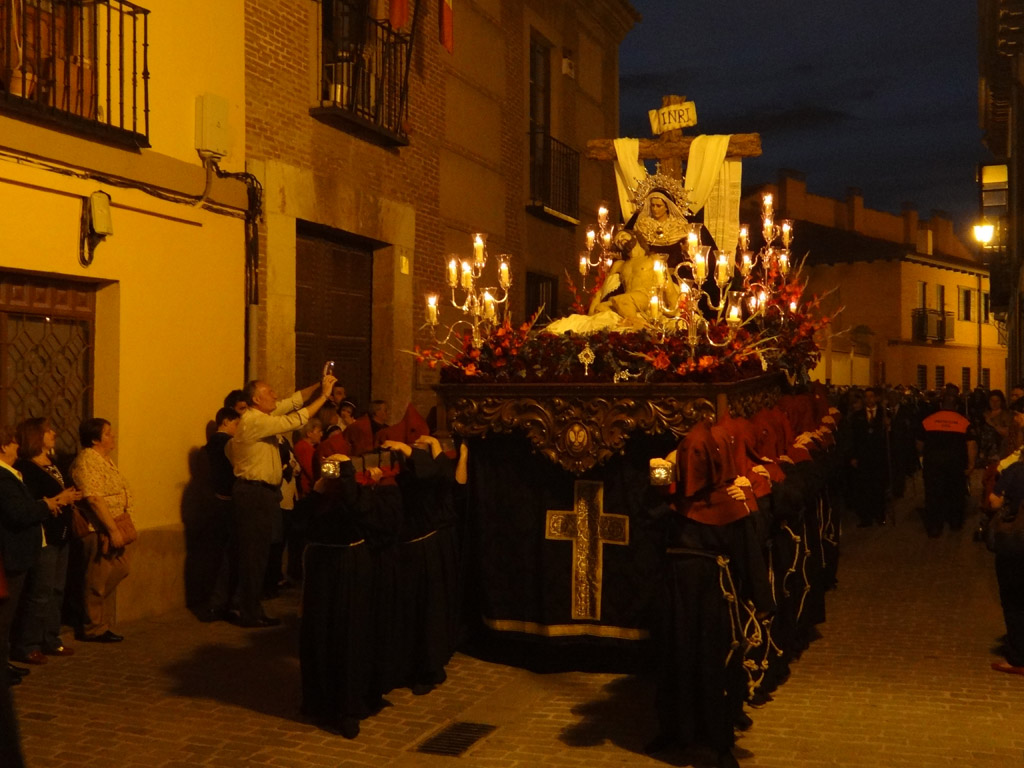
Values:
[(126, 528), (79, 524)]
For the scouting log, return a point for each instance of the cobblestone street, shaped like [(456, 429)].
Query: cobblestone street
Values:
[(900, 677)]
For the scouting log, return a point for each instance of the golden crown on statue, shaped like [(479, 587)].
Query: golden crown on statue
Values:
[(659, 180)]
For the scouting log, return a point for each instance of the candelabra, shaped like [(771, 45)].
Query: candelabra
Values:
[(678, 295), (479, 305), (599, 246)]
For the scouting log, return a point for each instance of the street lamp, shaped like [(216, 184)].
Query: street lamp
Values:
[(984, 232)]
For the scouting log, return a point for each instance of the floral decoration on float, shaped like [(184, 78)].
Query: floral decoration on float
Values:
[(650, 316)]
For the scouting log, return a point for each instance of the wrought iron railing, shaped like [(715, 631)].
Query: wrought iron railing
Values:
[(80, 62), (554, 176), (366, 76), (931, 325)]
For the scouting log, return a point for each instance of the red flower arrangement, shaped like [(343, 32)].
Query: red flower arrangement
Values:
[(781, 338)]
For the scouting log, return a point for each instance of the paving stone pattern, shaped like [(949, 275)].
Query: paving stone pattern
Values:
[(900, 677)]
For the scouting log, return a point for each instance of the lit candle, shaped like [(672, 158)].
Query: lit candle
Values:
[(602, 215), (504, 278), (659, 272), (700, 264), (655, 307), (453, 273), (767, 205), (748, 262), (584, 266), (489, 310), (432, 308), (591, 238), (783, 261), (769, 229), (787, 232), (735, 303), (722, 268), (792, 306), (606, 239), (467, 276), (478, 250), (744, 237), (693, 239)]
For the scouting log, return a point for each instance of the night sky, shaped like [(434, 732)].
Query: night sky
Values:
[(875, 94)]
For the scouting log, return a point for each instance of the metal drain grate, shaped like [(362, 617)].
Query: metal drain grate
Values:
[(455, 739)]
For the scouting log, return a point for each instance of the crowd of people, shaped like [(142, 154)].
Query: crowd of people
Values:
[(365, 514), (959, 442), (46, 523), (361, 512)]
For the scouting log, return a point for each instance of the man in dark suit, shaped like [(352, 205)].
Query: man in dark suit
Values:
[(869, 459)]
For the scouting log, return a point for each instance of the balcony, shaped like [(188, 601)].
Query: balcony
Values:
[(931, 325), (365, 81), (554, 179), (79, 64)]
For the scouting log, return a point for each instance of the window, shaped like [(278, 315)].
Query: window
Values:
[(922, 294), (965, 379), (365, 82), (922, 377), (554, 166), (986, 307), (963, 303), (940, 297), (540, 97), (940, 376), (83, 64), (541, 292), (986, 378)]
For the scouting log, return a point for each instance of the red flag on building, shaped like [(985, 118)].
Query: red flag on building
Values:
[(447, 27), (398, 13)]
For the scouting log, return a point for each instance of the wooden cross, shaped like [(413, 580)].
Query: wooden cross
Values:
[(589, 529), (673, 147)]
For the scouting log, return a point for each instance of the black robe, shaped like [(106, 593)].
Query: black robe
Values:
[(428, 565), (698, 631), (336, 644)]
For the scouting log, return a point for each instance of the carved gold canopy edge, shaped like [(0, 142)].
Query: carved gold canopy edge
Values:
[(582, 426)]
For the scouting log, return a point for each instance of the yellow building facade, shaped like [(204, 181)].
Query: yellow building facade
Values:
[(144, 326), (910, 300)]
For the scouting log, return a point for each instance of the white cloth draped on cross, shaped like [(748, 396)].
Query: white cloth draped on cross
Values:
[(713, 183)]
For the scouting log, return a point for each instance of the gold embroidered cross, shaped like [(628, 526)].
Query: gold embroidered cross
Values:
[(589, 529)]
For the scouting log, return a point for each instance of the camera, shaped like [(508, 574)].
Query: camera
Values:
[(329, 368), (330, 468)]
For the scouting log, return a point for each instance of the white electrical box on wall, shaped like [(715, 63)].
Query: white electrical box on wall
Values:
[(213, 139)]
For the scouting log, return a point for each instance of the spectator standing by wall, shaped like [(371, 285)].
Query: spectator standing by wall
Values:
[(256, 493), (107, 498), (37, 629)]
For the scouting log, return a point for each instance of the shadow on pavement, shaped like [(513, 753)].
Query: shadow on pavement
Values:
[(262, 676), (625, 717)]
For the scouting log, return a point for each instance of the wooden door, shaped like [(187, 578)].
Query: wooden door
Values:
[(333, 304), (46, 353)]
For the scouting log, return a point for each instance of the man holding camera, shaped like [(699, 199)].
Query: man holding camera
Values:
[(256, 458)]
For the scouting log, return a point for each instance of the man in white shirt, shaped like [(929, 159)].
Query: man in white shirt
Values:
[(256, 494)]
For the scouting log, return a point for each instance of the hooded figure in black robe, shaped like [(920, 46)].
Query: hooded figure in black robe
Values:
[(336, 642), (698, 633), (429, 566)]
